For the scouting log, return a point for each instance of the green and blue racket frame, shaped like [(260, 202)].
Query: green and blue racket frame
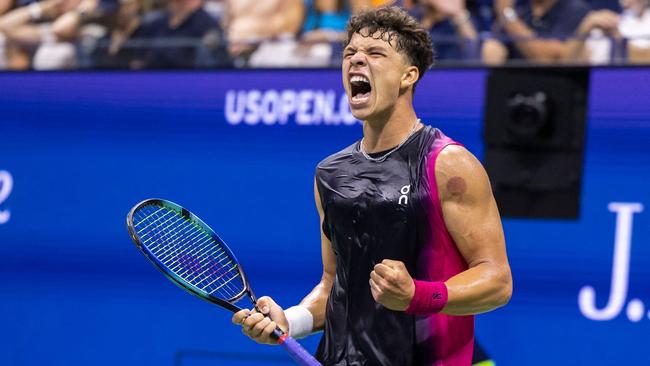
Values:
[(188, 252)]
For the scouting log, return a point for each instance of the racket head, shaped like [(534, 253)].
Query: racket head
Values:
[(188, 252)]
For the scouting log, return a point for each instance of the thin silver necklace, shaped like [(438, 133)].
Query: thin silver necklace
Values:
[(379, 159)]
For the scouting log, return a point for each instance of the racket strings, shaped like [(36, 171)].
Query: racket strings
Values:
[(192, 262), (187, 261), (189, 251), (159, 248)]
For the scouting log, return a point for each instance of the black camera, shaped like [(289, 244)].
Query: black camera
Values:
[(534, 135)]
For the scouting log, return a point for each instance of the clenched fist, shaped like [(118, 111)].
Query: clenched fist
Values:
[(392, 285)]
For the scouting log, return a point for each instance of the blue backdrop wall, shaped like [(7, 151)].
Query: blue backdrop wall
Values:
[(239, 149)]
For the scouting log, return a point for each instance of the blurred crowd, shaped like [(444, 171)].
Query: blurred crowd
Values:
[(166, 34)]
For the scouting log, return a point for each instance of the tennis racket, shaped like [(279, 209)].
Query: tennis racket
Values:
[(193, 256)]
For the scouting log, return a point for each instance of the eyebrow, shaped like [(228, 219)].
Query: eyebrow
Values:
[(369, 49), (376, 48)]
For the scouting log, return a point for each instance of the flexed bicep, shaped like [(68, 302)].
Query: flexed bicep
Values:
[(472, 219)]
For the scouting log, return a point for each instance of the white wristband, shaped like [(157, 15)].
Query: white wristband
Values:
[(301, 322)]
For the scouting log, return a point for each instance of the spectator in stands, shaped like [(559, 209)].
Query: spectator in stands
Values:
[(5, 5), (326, 19), (320, 23), (251, 22), (635, 26), (184, 35), (323, 30), (114, 24), (600, 38), (537, 31), (451, 27), (42, 34)]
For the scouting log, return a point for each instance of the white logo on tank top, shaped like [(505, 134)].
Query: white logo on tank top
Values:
[(404, 199)]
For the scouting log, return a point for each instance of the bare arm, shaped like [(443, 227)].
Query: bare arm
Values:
[(16, 17), (473, 221), (317, 298), (259, 328), (472, 218), (289, 18), (255, 22), (17, 27), (464, 26), (5, 5), (605, 20), (64, 28), (22, 15), (457, 12), (67, 25), (541, 50)]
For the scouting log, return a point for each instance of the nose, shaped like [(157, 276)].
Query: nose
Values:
[(358, 59)]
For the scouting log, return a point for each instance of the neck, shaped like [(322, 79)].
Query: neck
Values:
[(389, 130)]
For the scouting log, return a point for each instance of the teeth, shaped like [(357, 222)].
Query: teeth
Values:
[(358, 98), (359, 78)]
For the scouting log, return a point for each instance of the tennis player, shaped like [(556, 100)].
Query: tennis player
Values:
[(412, 243)]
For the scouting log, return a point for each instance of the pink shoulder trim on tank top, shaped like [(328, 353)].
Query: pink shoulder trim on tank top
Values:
[(445, 340)]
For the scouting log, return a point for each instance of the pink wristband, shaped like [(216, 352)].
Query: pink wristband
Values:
[(429, 298)]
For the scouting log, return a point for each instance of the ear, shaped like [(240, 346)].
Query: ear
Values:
[(409, 77)]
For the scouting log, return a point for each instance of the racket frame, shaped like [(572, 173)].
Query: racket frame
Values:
[(228, 303), (293, 348)]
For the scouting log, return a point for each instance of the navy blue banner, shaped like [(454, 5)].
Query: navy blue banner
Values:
[(77, 150)]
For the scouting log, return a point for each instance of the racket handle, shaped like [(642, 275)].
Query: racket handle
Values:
[(294, 349)]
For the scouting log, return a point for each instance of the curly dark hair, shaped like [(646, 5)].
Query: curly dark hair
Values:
[(389, 23)]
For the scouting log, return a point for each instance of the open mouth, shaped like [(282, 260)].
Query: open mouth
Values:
[(359, 88)]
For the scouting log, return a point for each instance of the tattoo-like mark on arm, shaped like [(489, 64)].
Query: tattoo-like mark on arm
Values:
[(456, 186)]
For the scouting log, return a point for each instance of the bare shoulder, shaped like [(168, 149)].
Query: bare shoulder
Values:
[(460, 175), (457, 158)]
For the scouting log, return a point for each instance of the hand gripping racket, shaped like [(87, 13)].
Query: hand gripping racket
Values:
[(192, 256)]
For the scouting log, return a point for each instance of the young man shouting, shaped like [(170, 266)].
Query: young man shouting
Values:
[(412, 243)]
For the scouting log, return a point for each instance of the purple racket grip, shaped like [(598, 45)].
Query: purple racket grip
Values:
[(295, 350)]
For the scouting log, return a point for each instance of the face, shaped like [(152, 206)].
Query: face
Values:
[(374, 75)]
